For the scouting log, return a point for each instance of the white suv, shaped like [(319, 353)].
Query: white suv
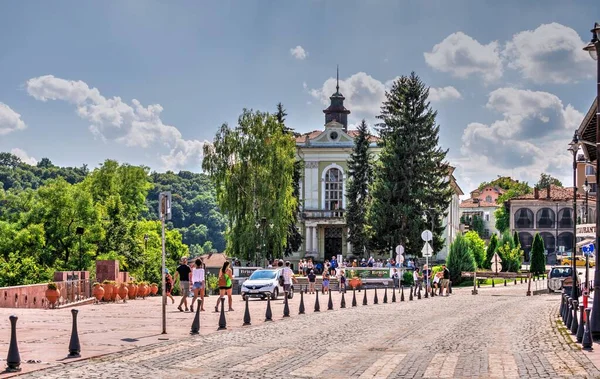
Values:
[(263, 283)]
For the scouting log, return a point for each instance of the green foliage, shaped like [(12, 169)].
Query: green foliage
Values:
[(359, 178), (516, 239), (512, 257), (408, 279), (547, 180), (52, 286), (212, 282), (513, 189), (252, 167), (477, 247), (538, 259), (460, 258), (502, 219), (507, 183), (411, 174), (16, 270), (489, 253), (475, 224)]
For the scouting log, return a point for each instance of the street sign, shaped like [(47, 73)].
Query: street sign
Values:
[(496, 266), (588, 249), (164, 205), (427, 251), (399, 249), (495, 258), (427, 235)]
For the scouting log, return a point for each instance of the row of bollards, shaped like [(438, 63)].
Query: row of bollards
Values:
[(579, 328), (13, 360)]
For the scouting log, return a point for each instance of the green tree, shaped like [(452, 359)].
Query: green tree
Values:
[(477, 247), (547, 180), (477, 225), (512, 257), (513, 189), (538, 259), (516, 239), (252, 167), (491, 249), (410, 175), (359, 178), (460, 259)]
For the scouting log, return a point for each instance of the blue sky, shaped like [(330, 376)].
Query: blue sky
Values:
[(147, 82)]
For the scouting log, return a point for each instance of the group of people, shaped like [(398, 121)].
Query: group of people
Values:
[(440, 280), (194, 279)]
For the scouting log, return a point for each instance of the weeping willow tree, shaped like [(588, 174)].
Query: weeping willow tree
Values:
[(252, 167)]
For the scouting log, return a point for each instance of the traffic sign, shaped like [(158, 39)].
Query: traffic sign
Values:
[(399, 249), (427, 235), (496, 266), (427, 251), (495, 258), (588, 249)]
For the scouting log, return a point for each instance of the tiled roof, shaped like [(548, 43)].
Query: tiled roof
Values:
[(315, 133), (469, 203), (556, 194), (353, 133)]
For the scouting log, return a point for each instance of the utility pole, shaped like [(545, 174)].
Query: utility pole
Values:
[(164, 200)]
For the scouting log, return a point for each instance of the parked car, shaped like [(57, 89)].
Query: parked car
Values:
[(579, 261), (263, 283), (557, 276)]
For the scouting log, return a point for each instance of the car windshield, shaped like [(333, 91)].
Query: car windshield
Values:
[(263, 274), (561, 272)]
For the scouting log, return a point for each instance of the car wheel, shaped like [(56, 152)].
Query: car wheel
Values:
[(275, 294)]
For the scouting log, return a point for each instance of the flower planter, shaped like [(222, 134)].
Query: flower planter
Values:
[(108, 291), (52, 296), (98, 292), (123, 291), (355, 282), (132, 291), (115, 293), (154, 289)]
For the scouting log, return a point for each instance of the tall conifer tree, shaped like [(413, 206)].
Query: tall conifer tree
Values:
[(359, 178), (411, 175)]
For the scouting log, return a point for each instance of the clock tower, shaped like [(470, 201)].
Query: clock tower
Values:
[(336, 110)]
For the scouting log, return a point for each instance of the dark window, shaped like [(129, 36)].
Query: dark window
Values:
[(524, 218), (545, 218), (565, 218)]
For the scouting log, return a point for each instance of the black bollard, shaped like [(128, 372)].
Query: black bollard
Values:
[(493, 283), (385, 296), (375, 298), (196, 323), (330, 302), (521, 280), (365, 297), (305, 290), (574, 322), (564, 312), (401, 293), (74, 347), (301, 310), (587, 343), (449, 286), (515, 281), (432, 292), (354, 297), (268, 313), (394, 295), (247, 320), (562, 305), (478, 284), (343, 302), (317, 305), (222, 320), (286, 307), (13, 361), (410, 296), (426, 292), (504, 282), (419, 294), (581, 326), (569, 314)]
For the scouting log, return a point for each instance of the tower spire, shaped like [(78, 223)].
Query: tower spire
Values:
[(337, 82)]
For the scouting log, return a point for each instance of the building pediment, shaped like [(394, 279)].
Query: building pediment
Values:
[(332, 135)]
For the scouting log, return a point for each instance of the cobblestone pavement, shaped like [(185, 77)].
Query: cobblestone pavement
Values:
[(498, 334)]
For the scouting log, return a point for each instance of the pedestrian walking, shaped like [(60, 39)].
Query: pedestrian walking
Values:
[(288, 278), (342, 279), (325, 287), (184, 273), (445, 280), (198, 280), (312, 279), (396, 278), (169, 285), (417, 278), (225, 285)]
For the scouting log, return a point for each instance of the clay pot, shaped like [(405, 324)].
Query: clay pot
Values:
[(154, 289), (115, 293), (148, 290), (123, 291), (108, 291), (98, 292), (132, 290), (52, 296), (355, 282), (142, 291)]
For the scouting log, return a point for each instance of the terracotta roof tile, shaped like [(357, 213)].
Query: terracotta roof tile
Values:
[(469, 203), (556, 194), (353, 133)]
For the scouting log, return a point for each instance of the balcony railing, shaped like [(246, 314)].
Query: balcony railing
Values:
[(320, 213)]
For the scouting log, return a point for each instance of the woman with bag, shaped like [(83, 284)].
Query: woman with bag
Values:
[(225, 285), (198, 280)]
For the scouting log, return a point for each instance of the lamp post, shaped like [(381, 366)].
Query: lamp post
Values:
[(594, 49), (574, 148), (79, 231), (586, 188)]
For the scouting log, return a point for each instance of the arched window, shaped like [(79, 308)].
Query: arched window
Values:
[(333, 189), (524, 218), (565, 239), (565, 218), (488, 199), (545, 218), (549, 241)]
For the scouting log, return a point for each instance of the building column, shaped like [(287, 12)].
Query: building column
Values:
[(315, 241), (308, 240)]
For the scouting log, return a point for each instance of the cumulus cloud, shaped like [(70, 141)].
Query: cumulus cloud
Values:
[(444, 93), (22, 154), (552, 53), (10, 121), (113, 119), (528, 139), (463, 56), (298, 52)]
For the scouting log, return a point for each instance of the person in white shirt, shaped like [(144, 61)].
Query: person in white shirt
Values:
[(198, 280), (288, 277), (417, 278)]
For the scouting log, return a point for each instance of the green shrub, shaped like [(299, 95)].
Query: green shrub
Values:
[(477, 246), (512, 257), (52, 286), (212, 283), (460, 259), (407, 278), (435, 270), (538, 259), (491, 249)]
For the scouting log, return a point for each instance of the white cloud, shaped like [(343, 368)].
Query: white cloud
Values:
[(298, 52), (530, 138), (463, 56), (444, 93), (10, 121), (552, 53), (24, 156), (113, 119)]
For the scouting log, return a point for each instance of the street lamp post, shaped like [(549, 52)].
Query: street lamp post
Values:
[(574, 148), (586, 188), (594, 49)]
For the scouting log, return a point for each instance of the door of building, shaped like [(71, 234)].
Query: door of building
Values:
[(333, 241)]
